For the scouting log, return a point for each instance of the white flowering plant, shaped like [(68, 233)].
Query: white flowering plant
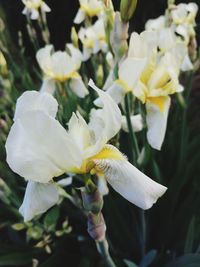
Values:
[(100, 137)]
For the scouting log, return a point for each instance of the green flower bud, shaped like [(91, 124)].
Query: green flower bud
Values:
[(74, 37), (92, 202), (171, 2), (3, 65), (119, 36), (2, 25), (127, 9), (100, 76)]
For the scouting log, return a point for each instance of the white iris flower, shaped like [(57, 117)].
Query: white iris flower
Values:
[(88, 8), (60, 67), (39, 149), (93, 39), (151, 78), (32, 8)]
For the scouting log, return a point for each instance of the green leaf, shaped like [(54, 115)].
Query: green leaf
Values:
[(16, 259), (188, 260), (190, 237), (148, 258), (51, 219), (130, 263)]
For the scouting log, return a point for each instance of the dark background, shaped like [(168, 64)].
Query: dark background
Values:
[(63, 11)]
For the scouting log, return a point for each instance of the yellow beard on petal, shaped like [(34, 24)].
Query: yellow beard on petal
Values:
[(89, 166), (159, 101), (109, 152), (61, 78)]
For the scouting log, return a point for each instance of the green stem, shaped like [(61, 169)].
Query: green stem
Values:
[(143, 232), (32, 34), (102, 247), (135, 155), (183, 137), (134, 144)]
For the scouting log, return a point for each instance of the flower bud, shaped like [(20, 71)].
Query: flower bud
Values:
[(171, 2), (74, 37), (3, 65), (2, 25), (119, 36), (127, 9), (100, 76), (92, 202), (192, 49), (108, 4), (3, 125), (96, 226)]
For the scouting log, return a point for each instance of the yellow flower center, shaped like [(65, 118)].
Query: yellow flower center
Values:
[(91, 12), (89, 165), (62, 78)]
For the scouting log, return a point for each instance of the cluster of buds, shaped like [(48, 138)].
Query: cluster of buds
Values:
[(93, 204), (119, 34)]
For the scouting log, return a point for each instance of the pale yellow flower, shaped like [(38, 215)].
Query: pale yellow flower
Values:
[(88, 8), (32, 8)]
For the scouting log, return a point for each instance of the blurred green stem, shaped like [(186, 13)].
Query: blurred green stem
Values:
[(93, 204), (135, 155), (143, 232), (183, 142), (102, 247), (134, 144)]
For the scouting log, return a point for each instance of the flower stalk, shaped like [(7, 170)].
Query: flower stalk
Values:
[(134, 144), (93, 204), (135, 155)]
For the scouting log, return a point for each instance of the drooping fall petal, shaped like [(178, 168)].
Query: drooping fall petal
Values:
[(127, 180), (157, 121), (39, 148), (38, 199)]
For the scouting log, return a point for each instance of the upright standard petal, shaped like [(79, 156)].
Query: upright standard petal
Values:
[(127, 180), (75, 54), (33, 100), (63, 65), (80, 16), (136, 122), (43, 57), (78, 87), (79, 131), (110, 115), (117, 92), (155, 24), (157, 114), (38, 148), (34, 14), (130, 71), (48, 86), (45, 8), (38, 199)]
